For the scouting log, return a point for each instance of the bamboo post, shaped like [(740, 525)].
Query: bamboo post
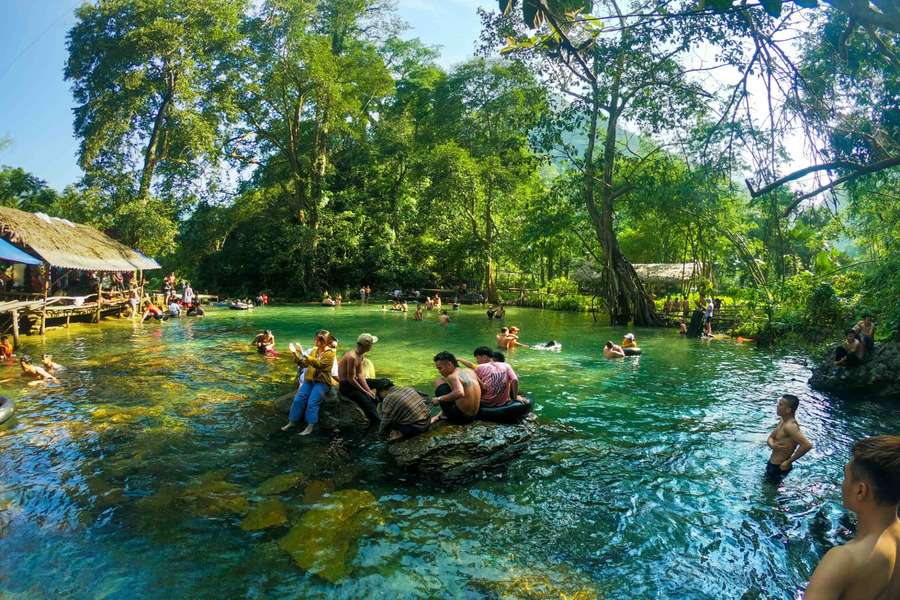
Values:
[(46, 295), (15, 328), (99, 297)]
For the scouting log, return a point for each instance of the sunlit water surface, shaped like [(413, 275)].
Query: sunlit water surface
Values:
[(132, 477)]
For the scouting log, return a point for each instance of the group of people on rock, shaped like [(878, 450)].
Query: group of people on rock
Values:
[(859, 343), (486, 389)]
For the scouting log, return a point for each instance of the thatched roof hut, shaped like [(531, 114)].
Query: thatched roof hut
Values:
[(649, 272), (61, 243)]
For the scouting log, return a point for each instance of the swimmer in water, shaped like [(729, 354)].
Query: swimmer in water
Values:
[(39, 374), (265, 342), (443, 318), (49, 365), (611, 350), (629, 341)]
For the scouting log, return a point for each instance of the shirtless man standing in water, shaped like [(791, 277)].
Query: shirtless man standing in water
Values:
[(786, 441), (458, 392), (868, 567)]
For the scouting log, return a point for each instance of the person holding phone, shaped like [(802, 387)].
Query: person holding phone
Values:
[(317, 380)]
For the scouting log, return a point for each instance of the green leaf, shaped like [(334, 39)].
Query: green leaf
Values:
[(772, 7)]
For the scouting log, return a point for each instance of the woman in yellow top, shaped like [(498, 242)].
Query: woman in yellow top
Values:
[(317, 380), (629, 341)]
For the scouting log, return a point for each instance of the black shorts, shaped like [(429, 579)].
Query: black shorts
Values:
[(450, 409), (774, 472)]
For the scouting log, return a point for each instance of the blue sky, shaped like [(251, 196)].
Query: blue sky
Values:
[(36, 104)]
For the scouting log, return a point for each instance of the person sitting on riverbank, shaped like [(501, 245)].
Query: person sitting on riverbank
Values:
[(49, 365), (787, 442), (458, 391), (611, 350), (443, 318), (404, 411), (437, 301), (265, 343), (629, 341), (418, 315), (35, 372), (850, 353), (6, 348), (500, 400), (867, 567), (352, 383), (316, 381), (153, 312), (865, 331)]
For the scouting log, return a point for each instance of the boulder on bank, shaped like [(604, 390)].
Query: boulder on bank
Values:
[(451, 453), (336, 413), (878, 377)]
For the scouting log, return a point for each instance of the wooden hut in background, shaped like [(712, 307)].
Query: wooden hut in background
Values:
[(59, 270)]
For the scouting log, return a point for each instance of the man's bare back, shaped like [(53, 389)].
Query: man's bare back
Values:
[(864, 569), (471, 398), (350, 366)]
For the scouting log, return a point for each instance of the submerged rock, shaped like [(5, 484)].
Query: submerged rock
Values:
[(268, 513), (536, 586), (215, 499), (280, 484), (324, 541), (877, 378), (336, 413), (455, 452)]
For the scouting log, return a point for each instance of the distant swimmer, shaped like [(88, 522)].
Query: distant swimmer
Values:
[(443, 318), (265, 343), (629, 341), (49, 365), (787, 442), (611, 350), (867, 567), (35, 372)]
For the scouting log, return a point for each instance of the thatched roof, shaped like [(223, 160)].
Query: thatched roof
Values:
[(62, 243), (658, 272)]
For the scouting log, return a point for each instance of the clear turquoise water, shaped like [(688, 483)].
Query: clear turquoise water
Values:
[(647, 481)]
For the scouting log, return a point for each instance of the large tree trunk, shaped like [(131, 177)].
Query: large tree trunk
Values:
[(490, 284), (626, 298)]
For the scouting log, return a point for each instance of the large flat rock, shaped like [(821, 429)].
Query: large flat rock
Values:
[(877, 378), (336, 412), (451, 453)]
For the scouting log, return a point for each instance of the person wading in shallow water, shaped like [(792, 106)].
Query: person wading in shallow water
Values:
[(353, 384), (458, 391), (786, 441), (868, 567)]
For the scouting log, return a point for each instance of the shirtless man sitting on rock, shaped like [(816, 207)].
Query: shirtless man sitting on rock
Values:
[(786, 441), (352, 379), (868, 567), (458, 391)]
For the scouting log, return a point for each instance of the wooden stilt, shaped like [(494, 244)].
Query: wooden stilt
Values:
[(68, 316), (15, 326), (99, 298), (46, 295)]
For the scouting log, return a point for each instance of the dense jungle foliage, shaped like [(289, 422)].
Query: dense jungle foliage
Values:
[(304, 146)]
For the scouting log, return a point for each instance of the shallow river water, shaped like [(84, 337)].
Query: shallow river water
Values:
[(133, 478)]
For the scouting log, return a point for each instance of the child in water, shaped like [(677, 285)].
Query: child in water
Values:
[(49, 365), (6, 349)]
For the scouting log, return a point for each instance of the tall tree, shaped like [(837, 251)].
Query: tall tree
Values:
[(150, 103)]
